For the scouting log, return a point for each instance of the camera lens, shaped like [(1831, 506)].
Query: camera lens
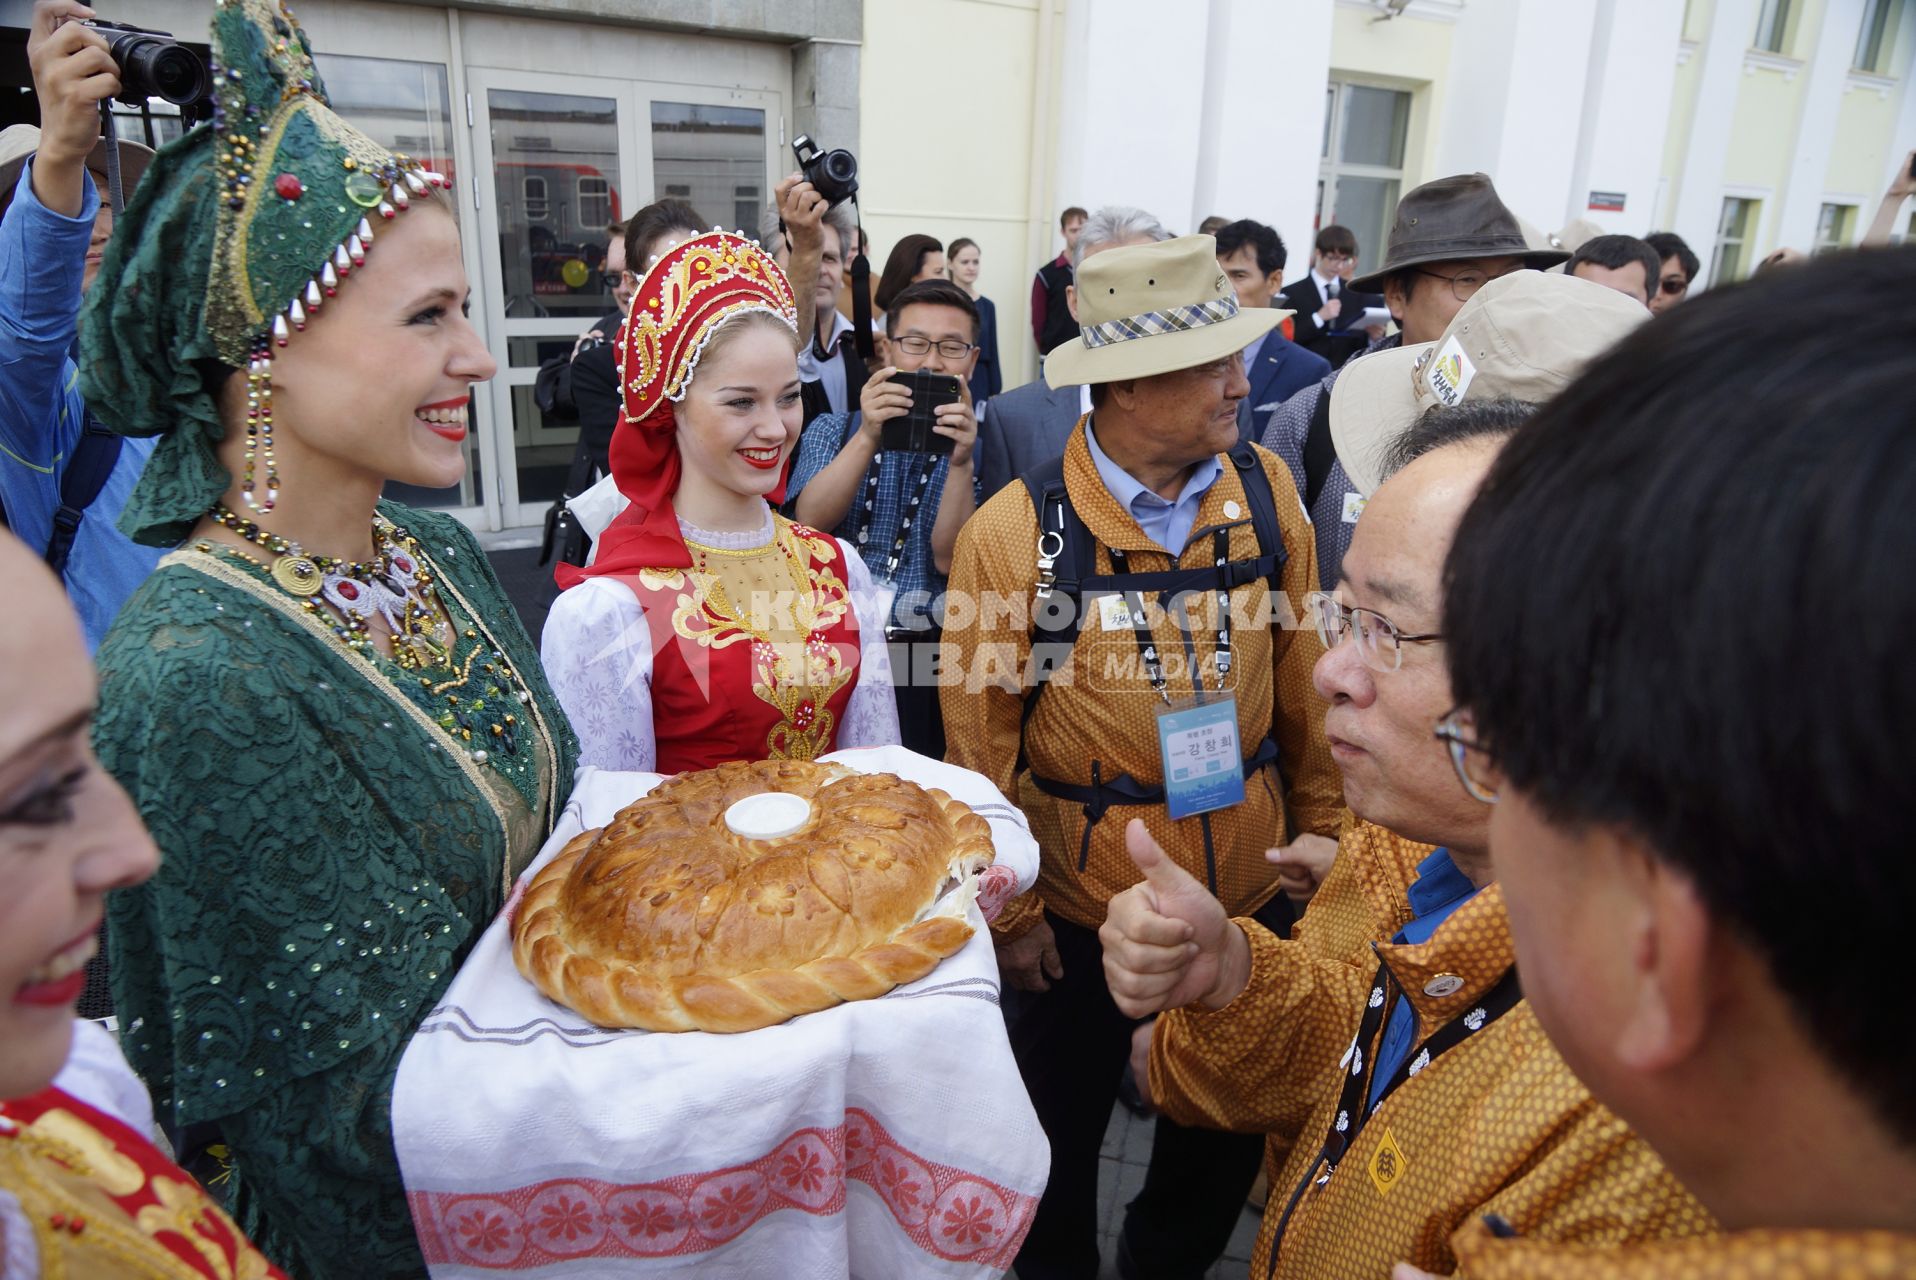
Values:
[(177, 75), (841, 168), (152, 68)]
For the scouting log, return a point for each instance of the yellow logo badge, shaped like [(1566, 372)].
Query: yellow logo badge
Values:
[(1387, 1164), (1449, 373)]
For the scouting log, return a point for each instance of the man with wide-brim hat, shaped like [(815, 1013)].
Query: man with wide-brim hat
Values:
[(1105, 571), (1525, 336), (19, 143), (63, 479), (1449, 237)]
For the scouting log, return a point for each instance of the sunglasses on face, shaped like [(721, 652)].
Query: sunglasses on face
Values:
[(1675, 286)]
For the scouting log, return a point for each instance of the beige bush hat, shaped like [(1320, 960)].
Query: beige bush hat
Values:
[(1148, 309), (1525, 335), (19, 141)]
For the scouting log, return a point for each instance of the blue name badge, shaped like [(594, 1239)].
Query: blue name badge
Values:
[(1203, 767)]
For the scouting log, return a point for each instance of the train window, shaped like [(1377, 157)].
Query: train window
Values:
[(538, 203), (713, 156), (595, 201)]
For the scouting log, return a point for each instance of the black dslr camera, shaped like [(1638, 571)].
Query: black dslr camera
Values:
[(833, 174), (153, 65)]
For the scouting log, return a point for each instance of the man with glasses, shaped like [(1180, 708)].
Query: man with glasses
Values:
[(1449, 237), (1029, 425), (1326, 304), (1693, 718), (902, 509), (1384, 1046)]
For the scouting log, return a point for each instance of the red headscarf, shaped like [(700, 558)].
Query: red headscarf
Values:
[(685, 296)]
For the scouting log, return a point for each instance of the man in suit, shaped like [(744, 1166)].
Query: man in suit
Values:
[(1029, 425), (1252, 257), (1323, 297)]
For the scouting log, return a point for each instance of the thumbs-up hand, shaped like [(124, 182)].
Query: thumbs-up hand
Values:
[(1167, 941)]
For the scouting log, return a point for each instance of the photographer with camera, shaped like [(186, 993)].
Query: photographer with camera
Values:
[(810, 231), (63, 478), (895, 480)]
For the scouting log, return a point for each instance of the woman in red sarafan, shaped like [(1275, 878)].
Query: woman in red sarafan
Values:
[(710, 628)]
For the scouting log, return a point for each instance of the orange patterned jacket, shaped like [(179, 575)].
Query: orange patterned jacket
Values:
[(1746, 1255), (1495, 1124), (1102, 708)]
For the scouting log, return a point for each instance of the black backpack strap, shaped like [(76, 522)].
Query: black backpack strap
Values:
[(1263, 504), (1065, 542), (1320, 454), (94, 456)]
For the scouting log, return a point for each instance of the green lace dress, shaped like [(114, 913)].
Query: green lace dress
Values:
[(336, 832)]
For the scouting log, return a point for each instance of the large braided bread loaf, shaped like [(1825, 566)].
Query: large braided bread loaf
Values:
[(668, 920)]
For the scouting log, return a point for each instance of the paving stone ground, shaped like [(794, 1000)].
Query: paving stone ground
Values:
[(1121, 1165)]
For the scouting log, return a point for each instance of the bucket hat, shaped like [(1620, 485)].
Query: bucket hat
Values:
[(18, 141), (1451, 218), (1155, 308), (1526, 336)]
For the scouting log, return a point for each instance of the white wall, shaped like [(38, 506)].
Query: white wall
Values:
[(1264, 129), (1517, 76), (1829, 64), (1627, 96), (1699, 198), (1196, 116), (1132, 110)]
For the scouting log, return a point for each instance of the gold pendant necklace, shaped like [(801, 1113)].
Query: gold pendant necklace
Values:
[(298, 575)]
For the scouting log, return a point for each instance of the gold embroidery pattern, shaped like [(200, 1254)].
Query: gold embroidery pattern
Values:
[(184, 1212), (795, 669), (64, 1170)]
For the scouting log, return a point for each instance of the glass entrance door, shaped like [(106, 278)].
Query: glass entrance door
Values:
[(553, 160), (566, 156)]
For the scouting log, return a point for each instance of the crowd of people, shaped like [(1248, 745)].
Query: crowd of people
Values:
[(1456, 700)]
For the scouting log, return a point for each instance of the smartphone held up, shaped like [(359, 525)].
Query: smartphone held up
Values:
[(913, 432)]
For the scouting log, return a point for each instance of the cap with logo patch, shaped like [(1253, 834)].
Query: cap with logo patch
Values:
[(1525, 336)]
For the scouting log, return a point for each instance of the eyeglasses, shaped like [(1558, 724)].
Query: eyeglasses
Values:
[(1675, 286), (1379, 642), (612, 279), (1328, 256), (913, 344), (1475, 769), (1465, 283)]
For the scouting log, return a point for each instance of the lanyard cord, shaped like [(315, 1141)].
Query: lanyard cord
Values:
[(905, 522), (1352, 1113), (1141, 630)]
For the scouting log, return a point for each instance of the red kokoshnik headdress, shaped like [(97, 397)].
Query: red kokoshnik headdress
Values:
[(683, 299)]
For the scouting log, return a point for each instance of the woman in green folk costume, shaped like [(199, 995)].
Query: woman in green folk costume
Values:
[(322, 703)]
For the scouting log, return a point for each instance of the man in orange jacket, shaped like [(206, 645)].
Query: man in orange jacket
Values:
[(1172, 517), (1680, 618), (1402, 1098)]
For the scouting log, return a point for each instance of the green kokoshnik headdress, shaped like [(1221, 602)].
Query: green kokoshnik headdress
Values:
[(240, 231)]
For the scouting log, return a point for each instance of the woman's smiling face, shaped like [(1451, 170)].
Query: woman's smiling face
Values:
[(68, 833), (741, 415)]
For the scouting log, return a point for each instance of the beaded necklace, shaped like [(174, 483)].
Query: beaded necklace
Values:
[(465, 683), (392, 584)]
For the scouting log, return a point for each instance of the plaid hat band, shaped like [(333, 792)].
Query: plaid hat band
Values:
[(1149, 323)]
